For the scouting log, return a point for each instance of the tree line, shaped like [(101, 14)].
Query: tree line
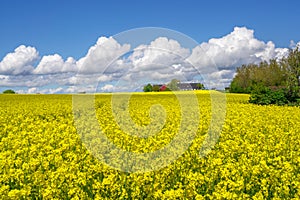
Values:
[(273, 82), (173, 85)]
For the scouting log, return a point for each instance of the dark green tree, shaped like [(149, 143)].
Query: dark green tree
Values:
[(148, 88), (9, 91), (200, 86)]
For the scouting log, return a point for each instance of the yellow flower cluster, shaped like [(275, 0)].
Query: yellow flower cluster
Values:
[(43, 155)]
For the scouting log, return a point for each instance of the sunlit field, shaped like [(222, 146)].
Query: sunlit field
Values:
[(42, 155)]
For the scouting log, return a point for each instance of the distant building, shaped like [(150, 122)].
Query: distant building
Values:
[(163, 88), (181, 86), (190, 86)]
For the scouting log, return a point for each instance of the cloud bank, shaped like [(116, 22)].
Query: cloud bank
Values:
[(110, 66)]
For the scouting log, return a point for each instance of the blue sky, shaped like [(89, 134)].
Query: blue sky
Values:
[(70, 28)]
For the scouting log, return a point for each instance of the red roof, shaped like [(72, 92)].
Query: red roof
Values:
[(162, 88)]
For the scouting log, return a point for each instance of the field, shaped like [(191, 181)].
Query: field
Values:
[(49, 149)]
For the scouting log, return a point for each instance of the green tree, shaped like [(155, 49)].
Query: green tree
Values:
[(200, 86), (292, 66), (266, 73), (173, 85), (148, 88), (273, 82), (155, 88), (9, 92), (241, 81)]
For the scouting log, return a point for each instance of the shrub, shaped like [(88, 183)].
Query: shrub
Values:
[(264, 96)]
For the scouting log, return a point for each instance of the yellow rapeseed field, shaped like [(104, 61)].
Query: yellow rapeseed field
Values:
[(45, 154)]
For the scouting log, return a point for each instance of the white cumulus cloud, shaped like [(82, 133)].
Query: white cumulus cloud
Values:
[(228, 52), (108, 88), (237, 48), (32, 90), (20, 61), (162, 59), (101, 55), (162, 51), (55, 64)]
